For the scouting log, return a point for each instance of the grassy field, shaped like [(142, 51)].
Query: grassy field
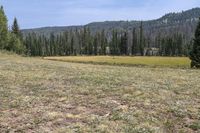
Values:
[(39, 95), (182, 62)]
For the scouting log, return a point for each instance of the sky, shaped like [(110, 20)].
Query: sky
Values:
[(42, 13)]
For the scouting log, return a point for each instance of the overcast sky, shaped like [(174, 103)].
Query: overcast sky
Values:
[(40, 13)]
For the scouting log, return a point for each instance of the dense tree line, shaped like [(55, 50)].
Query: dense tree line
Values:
[(120, 42)]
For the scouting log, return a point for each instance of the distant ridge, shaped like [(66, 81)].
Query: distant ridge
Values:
[(182, 22)]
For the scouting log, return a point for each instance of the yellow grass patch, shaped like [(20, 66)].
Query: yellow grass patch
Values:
[(127, 60)]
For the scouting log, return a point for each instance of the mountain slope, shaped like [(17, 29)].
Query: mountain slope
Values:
[(182, 22)]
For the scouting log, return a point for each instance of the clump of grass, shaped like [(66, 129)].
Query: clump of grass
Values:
[(195, 126)]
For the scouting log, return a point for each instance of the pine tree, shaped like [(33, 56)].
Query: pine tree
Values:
[(114, 44), (124, 44), (134, 42), (195, 53), (95, 44), (65, 38), (16, 29), (103, 42), (141, 39), (3, 29), (52, 44), (72, 45)]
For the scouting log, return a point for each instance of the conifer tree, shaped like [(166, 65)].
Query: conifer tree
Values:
[(134, 42), (52, 44), (103, 42), (72, 45), (114, 44), (16, 29), (195, 53), (124, 44), (95, 44), (141, 39), (3, 29)]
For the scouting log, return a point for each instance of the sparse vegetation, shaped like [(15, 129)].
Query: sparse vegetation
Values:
[(46, 96)]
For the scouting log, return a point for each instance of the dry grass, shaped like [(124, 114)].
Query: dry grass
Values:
[(182, 62), (45, 96)]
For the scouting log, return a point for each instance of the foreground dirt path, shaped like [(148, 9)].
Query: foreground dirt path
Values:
[(45, 96)]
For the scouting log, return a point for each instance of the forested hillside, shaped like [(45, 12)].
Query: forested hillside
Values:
[(170, 35), (184, 22)]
